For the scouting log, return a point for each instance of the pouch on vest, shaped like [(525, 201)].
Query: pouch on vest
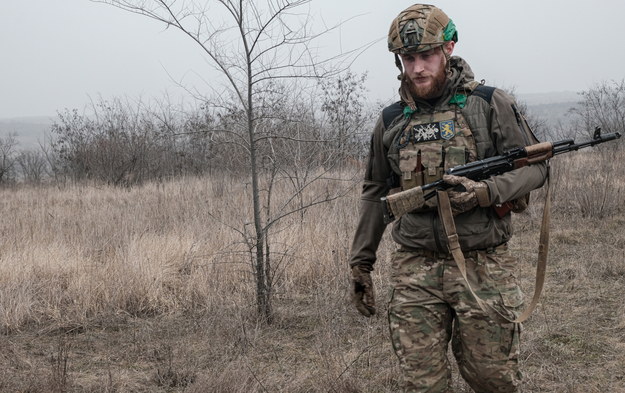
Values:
[(454, 156), (432, 163), (410, 165)]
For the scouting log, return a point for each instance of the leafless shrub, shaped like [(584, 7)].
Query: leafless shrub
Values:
[(603, 106), (32, 165), (8, 146), (589, 183)]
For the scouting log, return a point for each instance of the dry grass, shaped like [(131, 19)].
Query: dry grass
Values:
[(149, 290)]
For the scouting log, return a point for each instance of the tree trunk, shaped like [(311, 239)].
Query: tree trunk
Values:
[(263, 290)]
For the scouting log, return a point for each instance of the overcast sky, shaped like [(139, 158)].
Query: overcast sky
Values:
[(60, 54)]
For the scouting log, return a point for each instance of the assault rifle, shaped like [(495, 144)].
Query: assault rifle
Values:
[(397, 204)]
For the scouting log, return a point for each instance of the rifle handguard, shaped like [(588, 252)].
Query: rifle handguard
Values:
[(539, 152), (396, 205)]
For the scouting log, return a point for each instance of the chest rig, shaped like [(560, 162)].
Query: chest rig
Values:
[(429, 144)]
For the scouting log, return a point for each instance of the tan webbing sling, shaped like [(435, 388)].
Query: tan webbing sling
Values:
[(444, 211)]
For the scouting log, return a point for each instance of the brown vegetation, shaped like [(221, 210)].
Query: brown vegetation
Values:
[(148, 290)]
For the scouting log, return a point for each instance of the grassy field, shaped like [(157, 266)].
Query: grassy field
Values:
[(150, 290)]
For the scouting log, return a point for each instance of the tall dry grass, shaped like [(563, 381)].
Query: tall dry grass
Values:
[(71, 256), (151, 289)]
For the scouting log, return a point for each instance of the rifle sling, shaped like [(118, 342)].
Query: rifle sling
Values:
[(444, 211)]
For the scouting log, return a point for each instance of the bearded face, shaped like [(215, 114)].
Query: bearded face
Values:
[(425, 73)]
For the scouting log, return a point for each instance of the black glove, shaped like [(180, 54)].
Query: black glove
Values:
[(362, 294)]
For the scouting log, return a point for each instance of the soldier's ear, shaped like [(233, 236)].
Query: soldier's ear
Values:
[(448, 47)]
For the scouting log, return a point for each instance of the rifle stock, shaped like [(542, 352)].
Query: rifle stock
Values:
[(398, 204)]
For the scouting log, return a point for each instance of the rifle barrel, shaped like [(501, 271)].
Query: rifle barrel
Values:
[(565, 146)]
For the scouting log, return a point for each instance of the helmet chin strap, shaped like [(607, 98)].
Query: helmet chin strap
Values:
[(447, 62), (398, 64), (447, 57)]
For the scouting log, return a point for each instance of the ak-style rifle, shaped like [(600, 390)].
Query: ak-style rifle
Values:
[(400, 203)]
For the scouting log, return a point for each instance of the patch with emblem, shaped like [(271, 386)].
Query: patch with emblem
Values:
[(447, 129), (426, 132), (433, 131)]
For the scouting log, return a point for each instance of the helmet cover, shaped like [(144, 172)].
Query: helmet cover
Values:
[(419, 28)]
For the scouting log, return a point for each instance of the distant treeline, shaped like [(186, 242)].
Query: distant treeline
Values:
[(124, 143)]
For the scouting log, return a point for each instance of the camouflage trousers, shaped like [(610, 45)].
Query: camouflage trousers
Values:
[(431, 306)]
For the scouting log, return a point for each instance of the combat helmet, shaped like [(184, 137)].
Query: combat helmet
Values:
[(419, 28)]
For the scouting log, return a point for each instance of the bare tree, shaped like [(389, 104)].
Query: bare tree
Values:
[(259, 49), (32, 165), (600, 106), (7, 158), (603, 106), (347, 117), (598, 195)]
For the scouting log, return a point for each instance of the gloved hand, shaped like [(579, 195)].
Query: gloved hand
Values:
[(475, 194), (362, 290)]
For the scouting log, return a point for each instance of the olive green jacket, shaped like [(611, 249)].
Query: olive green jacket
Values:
[(497, 127)]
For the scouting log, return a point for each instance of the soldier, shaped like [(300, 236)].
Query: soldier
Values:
[(445, 118)]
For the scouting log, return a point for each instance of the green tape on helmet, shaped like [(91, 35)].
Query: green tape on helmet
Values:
[(450, 33)]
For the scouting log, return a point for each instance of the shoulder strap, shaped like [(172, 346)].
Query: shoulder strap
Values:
[(444, 211), (484, 92), (391, 112)]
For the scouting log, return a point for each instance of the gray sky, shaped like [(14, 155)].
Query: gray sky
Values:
[(60, 54)]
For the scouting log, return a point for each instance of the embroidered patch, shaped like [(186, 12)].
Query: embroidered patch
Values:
[(426, 132), (433, 131), (447, 129)]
